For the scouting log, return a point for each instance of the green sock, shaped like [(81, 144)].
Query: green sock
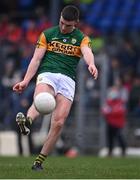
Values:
[(40, 158)]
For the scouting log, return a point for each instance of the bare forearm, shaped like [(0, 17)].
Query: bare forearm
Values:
[(89, 58), (88, 55), (31, 71), (34, 64)]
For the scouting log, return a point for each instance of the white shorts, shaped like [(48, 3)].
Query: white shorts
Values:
[(61, 83)]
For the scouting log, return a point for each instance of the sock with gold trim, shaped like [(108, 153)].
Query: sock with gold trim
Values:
[(40, 158)]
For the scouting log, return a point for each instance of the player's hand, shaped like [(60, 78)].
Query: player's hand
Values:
[(93, 70), (20, 86)]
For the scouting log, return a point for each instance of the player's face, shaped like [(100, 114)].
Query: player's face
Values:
[(66, 26)]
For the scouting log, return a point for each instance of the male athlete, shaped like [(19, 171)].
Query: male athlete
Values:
[(56, 57)]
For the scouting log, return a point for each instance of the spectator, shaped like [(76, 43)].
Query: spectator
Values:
[(14, 33), (114, 112), (32, 32), (128, 55), (134, 97), (10, 77)]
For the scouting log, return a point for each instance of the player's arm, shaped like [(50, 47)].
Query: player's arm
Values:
[(89, 57), (34, 64)]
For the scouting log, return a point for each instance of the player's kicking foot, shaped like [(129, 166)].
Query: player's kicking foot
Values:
[(21, 121), (37, 166)]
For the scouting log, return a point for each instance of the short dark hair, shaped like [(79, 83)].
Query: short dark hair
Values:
[(70, 13)]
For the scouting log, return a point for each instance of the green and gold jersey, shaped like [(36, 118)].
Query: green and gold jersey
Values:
[(62, 51)]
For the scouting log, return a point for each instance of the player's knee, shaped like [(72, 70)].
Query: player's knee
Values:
[(58, 123)]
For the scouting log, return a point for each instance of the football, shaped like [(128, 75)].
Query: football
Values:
[(44, 103)]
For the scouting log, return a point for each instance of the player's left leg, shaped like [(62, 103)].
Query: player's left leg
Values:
[(24, 122), (63, 106)]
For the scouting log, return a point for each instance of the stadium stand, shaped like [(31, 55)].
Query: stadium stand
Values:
[(114, 16)]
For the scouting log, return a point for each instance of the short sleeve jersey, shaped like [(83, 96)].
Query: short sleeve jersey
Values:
[(63, 51)]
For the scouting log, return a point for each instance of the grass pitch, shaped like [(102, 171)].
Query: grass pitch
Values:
[(88, 167)]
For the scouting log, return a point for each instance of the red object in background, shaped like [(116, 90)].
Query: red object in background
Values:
[(14, 33), (72, 153), (114, 112)]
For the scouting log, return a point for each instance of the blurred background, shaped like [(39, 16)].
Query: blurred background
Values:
[(114, 29)]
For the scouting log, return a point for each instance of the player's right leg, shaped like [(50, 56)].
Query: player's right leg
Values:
[(58, 118)]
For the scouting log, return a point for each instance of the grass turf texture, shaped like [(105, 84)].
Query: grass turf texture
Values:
[(88, 167)]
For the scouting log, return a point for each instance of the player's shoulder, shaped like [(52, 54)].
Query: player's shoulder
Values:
[(79, 32), (51, 30)]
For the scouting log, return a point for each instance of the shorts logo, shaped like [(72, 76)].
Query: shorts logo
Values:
[(40, 79), (73, 41)]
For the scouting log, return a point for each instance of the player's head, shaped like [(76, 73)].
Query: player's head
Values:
[(69, 18), (70, 13)]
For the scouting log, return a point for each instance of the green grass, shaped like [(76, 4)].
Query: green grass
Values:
[(88, 167)]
